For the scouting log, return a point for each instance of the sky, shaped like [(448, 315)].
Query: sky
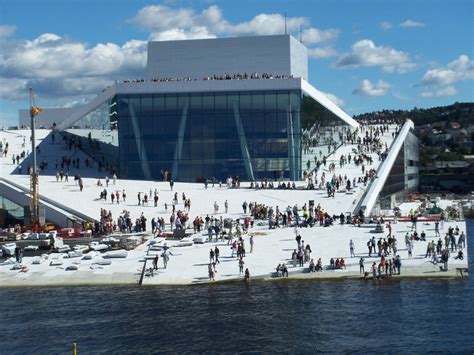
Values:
[(366, 55)]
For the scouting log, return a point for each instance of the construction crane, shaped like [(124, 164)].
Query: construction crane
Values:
[(34, 178)]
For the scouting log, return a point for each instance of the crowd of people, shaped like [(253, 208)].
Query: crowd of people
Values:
[(224, 76)]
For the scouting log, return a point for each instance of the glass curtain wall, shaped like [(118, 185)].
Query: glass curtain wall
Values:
[(322, 130), (252, 135), (395, 184)]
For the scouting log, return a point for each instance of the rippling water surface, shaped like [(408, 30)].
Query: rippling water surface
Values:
[(360, 316)]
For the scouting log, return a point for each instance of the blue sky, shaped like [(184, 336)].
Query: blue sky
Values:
[(366, 55)]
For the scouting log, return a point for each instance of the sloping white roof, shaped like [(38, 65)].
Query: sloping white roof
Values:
[(331, 106), (376, 187)]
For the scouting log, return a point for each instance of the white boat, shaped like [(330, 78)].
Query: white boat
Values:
[(200, 239), (63, 249), (9, 249), (37, 261), (81, 248), (116, 254), (89, 255), (31, 247), (103, 262), (75, 254), (110, 240), (98, 246), (56, 262)]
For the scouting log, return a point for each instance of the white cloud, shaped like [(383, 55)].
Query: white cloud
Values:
[(64, 70), (13, 88), (385, 25), (7, 30), (180, 34), (458, 70), (267, 24), (161, 17), (443, 92), (313, 35), (411, 24), (338, 101), (322, 52), (366, 53), (49, 56), (61, 68), (169, 23), (368, 89)]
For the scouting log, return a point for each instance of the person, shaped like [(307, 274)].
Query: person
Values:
[(155, 262), (361, 266), (300, 257), (278, 270), (247, 275), (241, 265), (342, 263), (216, 255), (211, 256), (298, 240), (251, 243), (319, 265), (444, 259), (374, 269), (460, 255), (166, 257), (410, 249), (20, 254), (351, 248), (17, 254), (389, 227), (210, 272), (312, 266), (171, 184), (307, 253), (284, 270), (398, 264), (226, 206)]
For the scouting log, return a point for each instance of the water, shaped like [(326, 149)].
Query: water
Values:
[(334, 316)]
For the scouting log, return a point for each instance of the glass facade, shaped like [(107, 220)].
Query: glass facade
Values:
[(322, 131), (249, 134), (403, 177)]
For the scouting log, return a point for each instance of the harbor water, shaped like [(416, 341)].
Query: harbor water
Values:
[(411, 315)]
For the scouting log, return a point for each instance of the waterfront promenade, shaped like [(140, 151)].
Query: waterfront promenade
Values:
[(189, 261)]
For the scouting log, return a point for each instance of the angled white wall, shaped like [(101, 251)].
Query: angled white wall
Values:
[(278, 54)]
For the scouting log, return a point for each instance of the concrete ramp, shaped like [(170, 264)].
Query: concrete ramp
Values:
[(55, 212)]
